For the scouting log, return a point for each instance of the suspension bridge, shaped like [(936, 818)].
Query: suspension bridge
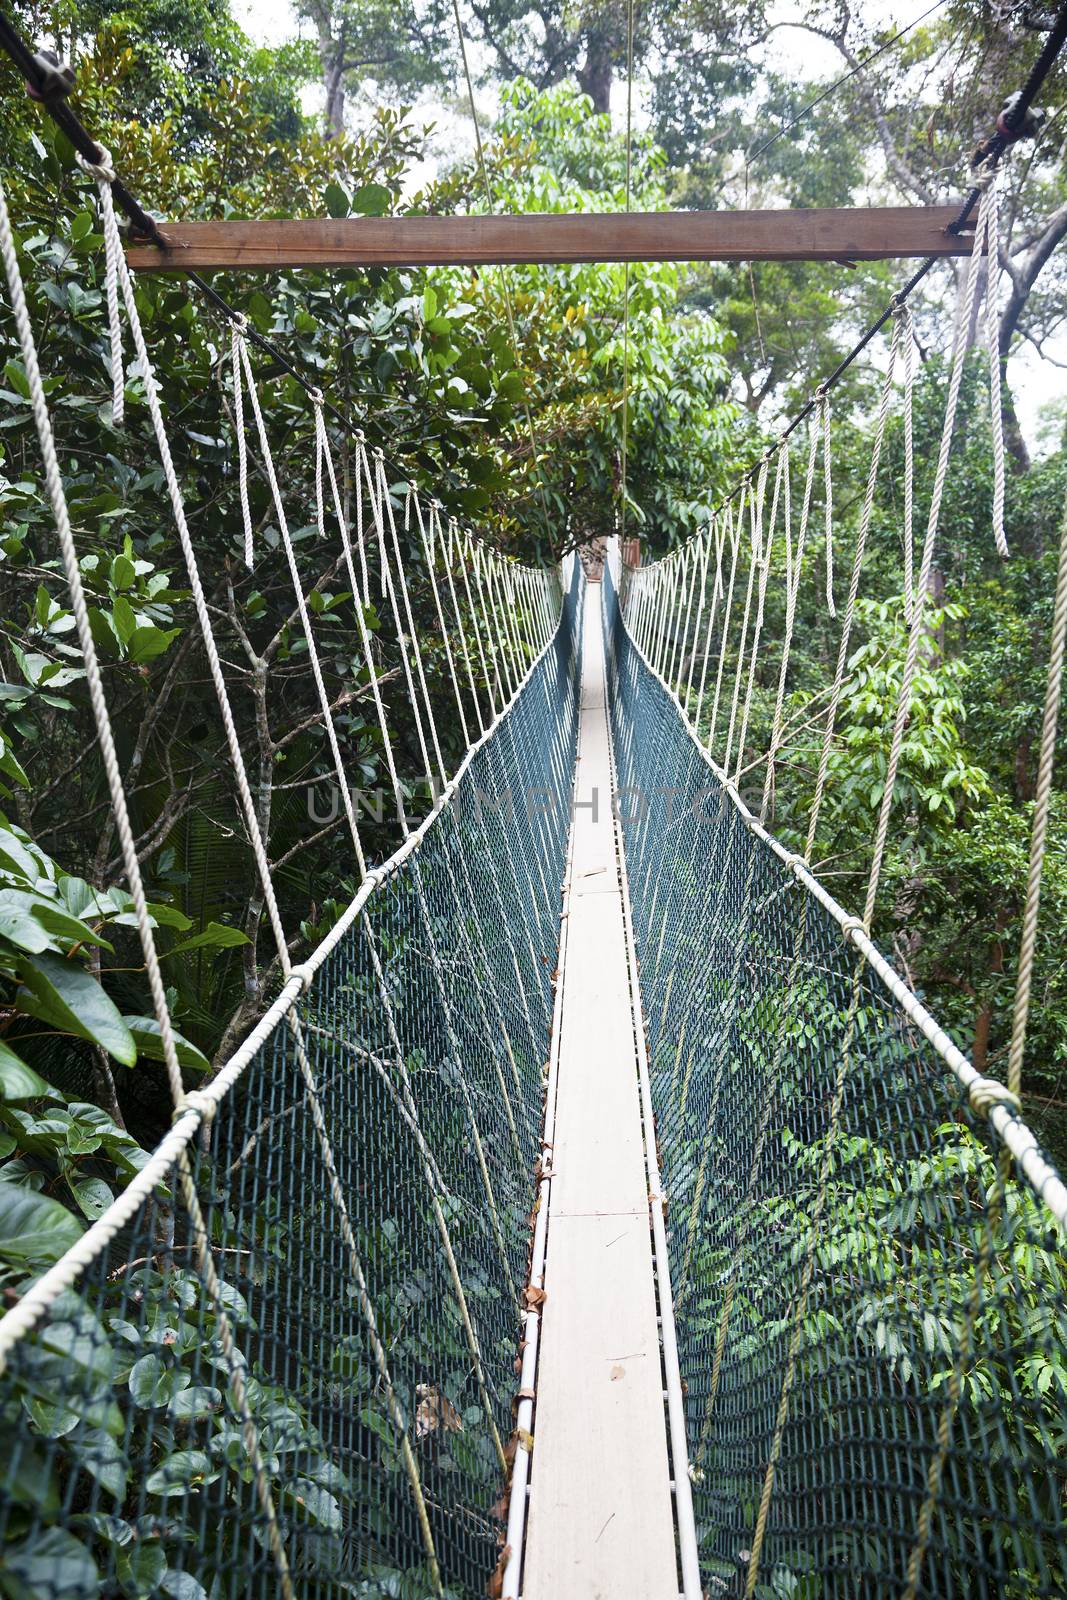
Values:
[(595, 1211)]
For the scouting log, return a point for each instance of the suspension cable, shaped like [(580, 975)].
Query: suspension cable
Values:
[(838, 83), (626, 273)]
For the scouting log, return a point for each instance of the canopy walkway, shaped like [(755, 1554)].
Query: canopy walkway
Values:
[(595, 1211)]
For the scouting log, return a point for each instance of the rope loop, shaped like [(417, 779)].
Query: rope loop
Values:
[(317, 397), (239, 322), (304, 974), (986, 1093), (200, 1101), (851, 925), (103, 170)]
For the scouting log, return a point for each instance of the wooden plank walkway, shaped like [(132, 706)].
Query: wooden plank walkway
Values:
[(601, 1519)]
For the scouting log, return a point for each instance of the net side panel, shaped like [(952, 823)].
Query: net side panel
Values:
[(371, 1268), (857, 1297)]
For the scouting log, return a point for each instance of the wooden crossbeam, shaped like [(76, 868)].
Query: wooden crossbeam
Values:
[(815, 234)]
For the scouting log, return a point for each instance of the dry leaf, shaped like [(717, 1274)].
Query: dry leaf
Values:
[(617, 1373), (499, 1509), (532, 1298), (495, 1587), (525, 1439), (435, 1408)]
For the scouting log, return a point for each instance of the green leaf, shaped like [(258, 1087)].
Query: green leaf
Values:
[(34, 1227), (17, 1080), (28, 1479), (125, 618), (64, 994), (93, 1196), (181, 1472), (336, 200), (147, 1038), (372, 200), (217, 935), (147, 641), (150, 1382), (100, 1455), (32, 922), (201, 1401), (182, 1585), (316, 1504), (50, 1562), (140, 1568)]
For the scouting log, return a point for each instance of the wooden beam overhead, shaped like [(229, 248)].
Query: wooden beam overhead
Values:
[(854, 234)]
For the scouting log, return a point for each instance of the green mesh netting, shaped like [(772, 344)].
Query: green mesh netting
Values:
[(845, 1260), (125, 1470)]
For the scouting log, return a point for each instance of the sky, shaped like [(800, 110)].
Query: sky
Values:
[(1035, 382)]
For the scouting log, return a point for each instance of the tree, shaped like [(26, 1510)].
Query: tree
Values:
[(906, 126), (401, 45)]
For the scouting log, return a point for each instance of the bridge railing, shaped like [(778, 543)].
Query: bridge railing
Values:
[(282, 1362), (870, 1281)]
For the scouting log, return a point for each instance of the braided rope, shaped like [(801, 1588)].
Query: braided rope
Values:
[(1039, 830), (933, 522)]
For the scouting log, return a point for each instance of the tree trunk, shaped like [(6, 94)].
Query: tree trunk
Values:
[(1013, 434), (595, 74), (334, 82)]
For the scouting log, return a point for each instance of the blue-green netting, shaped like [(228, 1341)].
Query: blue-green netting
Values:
[(124, 1470), (808, 1132)]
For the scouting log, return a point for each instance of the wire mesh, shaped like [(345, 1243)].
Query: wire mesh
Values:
[(871, 1302), (375, 1318)]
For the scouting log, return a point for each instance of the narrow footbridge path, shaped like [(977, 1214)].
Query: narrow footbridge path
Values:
[(601, 1520)]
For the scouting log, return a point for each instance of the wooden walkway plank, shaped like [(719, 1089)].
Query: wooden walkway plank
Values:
[(601, 1519)]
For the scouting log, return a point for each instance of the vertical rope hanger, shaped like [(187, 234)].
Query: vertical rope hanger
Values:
[(104, 174), (152, 397), (623, 491)]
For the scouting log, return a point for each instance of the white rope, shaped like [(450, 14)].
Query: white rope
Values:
[(1044, 1180), (736, 528), (204, 1260), (755, 559), (104, 173), (301, 603), (903, 313), (911, 658), (992, 328), (79, 606), (325, 456), (1039, 829), (236, 350), (201, 1104), (901, 327), (781, 478), (259, 848), (828, 499)]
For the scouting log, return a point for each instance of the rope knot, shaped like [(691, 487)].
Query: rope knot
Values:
[(304, 975), (200, 1101), (102, 169), (985, 1093), (851, 925), (240, 322), (316, 397)]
